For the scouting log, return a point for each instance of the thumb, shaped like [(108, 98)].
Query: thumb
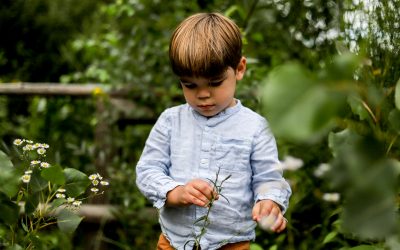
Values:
[(256, 211)]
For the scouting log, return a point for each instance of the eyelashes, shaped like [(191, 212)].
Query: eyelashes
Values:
[(193, 85)]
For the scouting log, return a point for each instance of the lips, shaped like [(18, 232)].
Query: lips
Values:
[(206, 107)]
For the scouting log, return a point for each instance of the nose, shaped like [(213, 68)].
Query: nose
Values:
[(203, 93)]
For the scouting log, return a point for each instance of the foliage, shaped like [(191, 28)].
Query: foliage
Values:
[(36, 195), (34, 28), (347, 106)]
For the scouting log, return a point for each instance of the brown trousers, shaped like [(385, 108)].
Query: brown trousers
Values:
[(163, 244)]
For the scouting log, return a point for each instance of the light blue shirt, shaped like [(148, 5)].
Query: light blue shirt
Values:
[(184, 145)]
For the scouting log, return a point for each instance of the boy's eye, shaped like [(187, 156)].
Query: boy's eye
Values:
[(215, 84), (189, 85)]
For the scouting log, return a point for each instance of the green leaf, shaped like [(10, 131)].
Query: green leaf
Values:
[(357, 107), (329, 237), (365, 247), (54, 174), (14, 247), (37, 183), (297, 107), (68, 221), (255, 246), (32, 202), (9, 177), (200, 219), (394, 120), (9, 210), (397, 95), (57, 202), (76, 182)]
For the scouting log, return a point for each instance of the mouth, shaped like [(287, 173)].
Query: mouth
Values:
[(206, 107)]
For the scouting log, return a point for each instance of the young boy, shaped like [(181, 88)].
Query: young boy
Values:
[(212, 133)]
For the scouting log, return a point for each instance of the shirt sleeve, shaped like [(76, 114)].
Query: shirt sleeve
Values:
[(152, 169), (268, 181)]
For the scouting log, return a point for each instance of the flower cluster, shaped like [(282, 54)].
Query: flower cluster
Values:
[(97, 180), (28, 145), (40, 148), (71, 201), (36, 161)]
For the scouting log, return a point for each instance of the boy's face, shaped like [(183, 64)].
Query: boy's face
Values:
[(209, 96)]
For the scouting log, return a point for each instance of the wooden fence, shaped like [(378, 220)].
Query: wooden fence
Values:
[(92, 212)]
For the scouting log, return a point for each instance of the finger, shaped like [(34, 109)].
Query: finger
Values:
[(198, 198), (283, 226), (279, 223), (256, 212)]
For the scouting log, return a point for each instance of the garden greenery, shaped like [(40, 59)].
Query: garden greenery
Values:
[(35, 195)]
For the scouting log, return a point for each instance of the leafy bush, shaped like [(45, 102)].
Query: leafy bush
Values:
[(36, 195)]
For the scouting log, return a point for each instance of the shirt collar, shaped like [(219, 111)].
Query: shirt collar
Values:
[(220, 117)]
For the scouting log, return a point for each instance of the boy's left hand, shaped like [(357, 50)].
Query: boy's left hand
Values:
[(269, 208)]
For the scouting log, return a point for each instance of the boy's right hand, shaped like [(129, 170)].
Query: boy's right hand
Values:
[(197, 192)]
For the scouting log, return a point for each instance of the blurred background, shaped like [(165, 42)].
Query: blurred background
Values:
[(324, 73)]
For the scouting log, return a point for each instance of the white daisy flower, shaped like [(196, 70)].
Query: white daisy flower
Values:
[(93, 177), (26, 178), (61, 190), (331, 197), (60, 195), (41, 151), (45, 165), (70, 199), (28, 147), (95, 182), (18, 142), (104, 183), (291, 163), (77, 203), (35, 162), (322, 169), (28, 141), (44, 145), (94, 190), (28, 172)]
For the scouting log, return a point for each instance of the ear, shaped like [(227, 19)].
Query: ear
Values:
[(241, 68)]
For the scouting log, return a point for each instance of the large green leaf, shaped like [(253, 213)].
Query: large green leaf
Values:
[(37, 182), (68, 221), (32, 202), (9, 177), (297, 107), (76, 182), (54, 174), (9, 211), (397, 95), (368, 180)]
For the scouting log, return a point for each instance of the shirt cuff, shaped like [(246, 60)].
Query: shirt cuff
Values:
[(165, 189), (278, 199)]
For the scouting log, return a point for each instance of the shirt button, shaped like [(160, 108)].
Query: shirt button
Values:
[(204, 161)]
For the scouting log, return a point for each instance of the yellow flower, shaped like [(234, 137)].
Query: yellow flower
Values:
[(98, 91)]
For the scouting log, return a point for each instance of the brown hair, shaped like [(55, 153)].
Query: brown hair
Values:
[(205, 45)]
